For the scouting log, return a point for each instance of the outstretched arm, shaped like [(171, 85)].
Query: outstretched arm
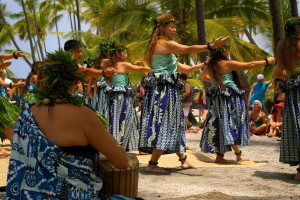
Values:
[(15, 55), (238, 66), (176, 48)]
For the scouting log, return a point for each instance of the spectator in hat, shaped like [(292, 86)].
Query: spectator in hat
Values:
[(275, 124), (258, 91)]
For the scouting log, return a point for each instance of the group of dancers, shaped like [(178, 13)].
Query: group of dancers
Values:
[(160, 128)]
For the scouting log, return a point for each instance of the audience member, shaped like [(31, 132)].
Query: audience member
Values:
[(275, 124), (258, 119)]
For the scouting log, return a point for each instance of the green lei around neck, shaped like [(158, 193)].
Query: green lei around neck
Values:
[(53, 97)]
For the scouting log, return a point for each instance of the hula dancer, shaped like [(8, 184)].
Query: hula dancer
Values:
[(227, 123), (122, 118), (288, 55), (162, 121)]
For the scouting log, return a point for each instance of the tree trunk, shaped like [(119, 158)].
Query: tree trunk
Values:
[(28, 31), (201, 26), (37, 30), (249, 36), (294, 8), (78, 14), (56, 28), (275, 11), (12, 37), (201, 32)]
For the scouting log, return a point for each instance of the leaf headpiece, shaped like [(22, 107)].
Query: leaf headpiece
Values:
[(157, 23), (57, 75), (291, 26), (115, 46)]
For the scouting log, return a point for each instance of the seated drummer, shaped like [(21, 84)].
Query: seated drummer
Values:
[(57, 140)]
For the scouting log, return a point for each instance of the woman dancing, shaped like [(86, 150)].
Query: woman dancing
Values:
[(227, 123), (162, 121), (288, 60)]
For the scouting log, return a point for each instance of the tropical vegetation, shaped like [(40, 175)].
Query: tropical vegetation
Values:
[(249, 23)]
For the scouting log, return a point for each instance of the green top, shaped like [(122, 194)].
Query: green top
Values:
[(227, 80), (120, 80), (101, 79), (164, 63)]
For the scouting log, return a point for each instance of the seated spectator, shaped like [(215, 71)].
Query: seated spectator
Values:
[(57, 140), (258, 119), (275, 124)]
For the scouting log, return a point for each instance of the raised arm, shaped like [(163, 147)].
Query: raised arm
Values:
[(12, 85), (15, 55), (135, 68), (176, 48), (238, 66), (182, 68)]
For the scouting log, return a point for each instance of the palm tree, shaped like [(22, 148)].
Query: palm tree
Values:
[(28, 31), (78, 14), (8, 30), (37, 29), (201, 26), (277, 23), (294, 8)]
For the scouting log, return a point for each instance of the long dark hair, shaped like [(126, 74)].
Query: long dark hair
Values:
[(162, 20), (214, 69), (287, 47)]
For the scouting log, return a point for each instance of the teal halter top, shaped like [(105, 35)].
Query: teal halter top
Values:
[(164, 63), (119, 80), (227, 80)]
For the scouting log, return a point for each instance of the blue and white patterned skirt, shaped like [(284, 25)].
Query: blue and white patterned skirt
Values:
[(227, 121), (100, 100), (290, 137), (162, 121), (123, 122)]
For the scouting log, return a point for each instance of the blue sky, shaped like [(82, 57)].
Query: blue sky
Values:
[(19, 67)]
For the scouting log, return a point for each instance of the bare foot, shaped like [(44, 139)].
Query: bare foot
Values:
[(239, 156), (297, 177), (187, 165), (188, 147), (156, 169), (220, 159), (142, 153), (4, 153)]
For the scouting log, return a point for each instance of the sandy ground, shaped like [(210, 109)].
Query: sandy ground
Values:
[(271, 181)]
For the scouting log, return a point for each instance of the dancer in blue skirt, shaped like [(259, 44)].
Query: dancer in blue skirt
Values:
[(227, 123), (162, 121), (288, 57), (122, 118)]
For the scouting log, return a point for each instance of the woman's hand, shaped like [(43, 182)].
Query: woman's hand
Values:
[(271, 60), (5, 64), (138, 62), (21, 83), (219, 42), (20, 54)]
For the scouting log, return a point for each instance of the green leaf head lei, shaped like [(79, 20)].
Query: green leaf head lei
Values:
[(57, 76), (292, 26), (157, 23), (115, 46), (214, 52)]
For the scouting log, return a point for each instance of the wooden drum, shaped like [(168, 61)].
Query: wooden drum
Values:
[(123, 182)]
